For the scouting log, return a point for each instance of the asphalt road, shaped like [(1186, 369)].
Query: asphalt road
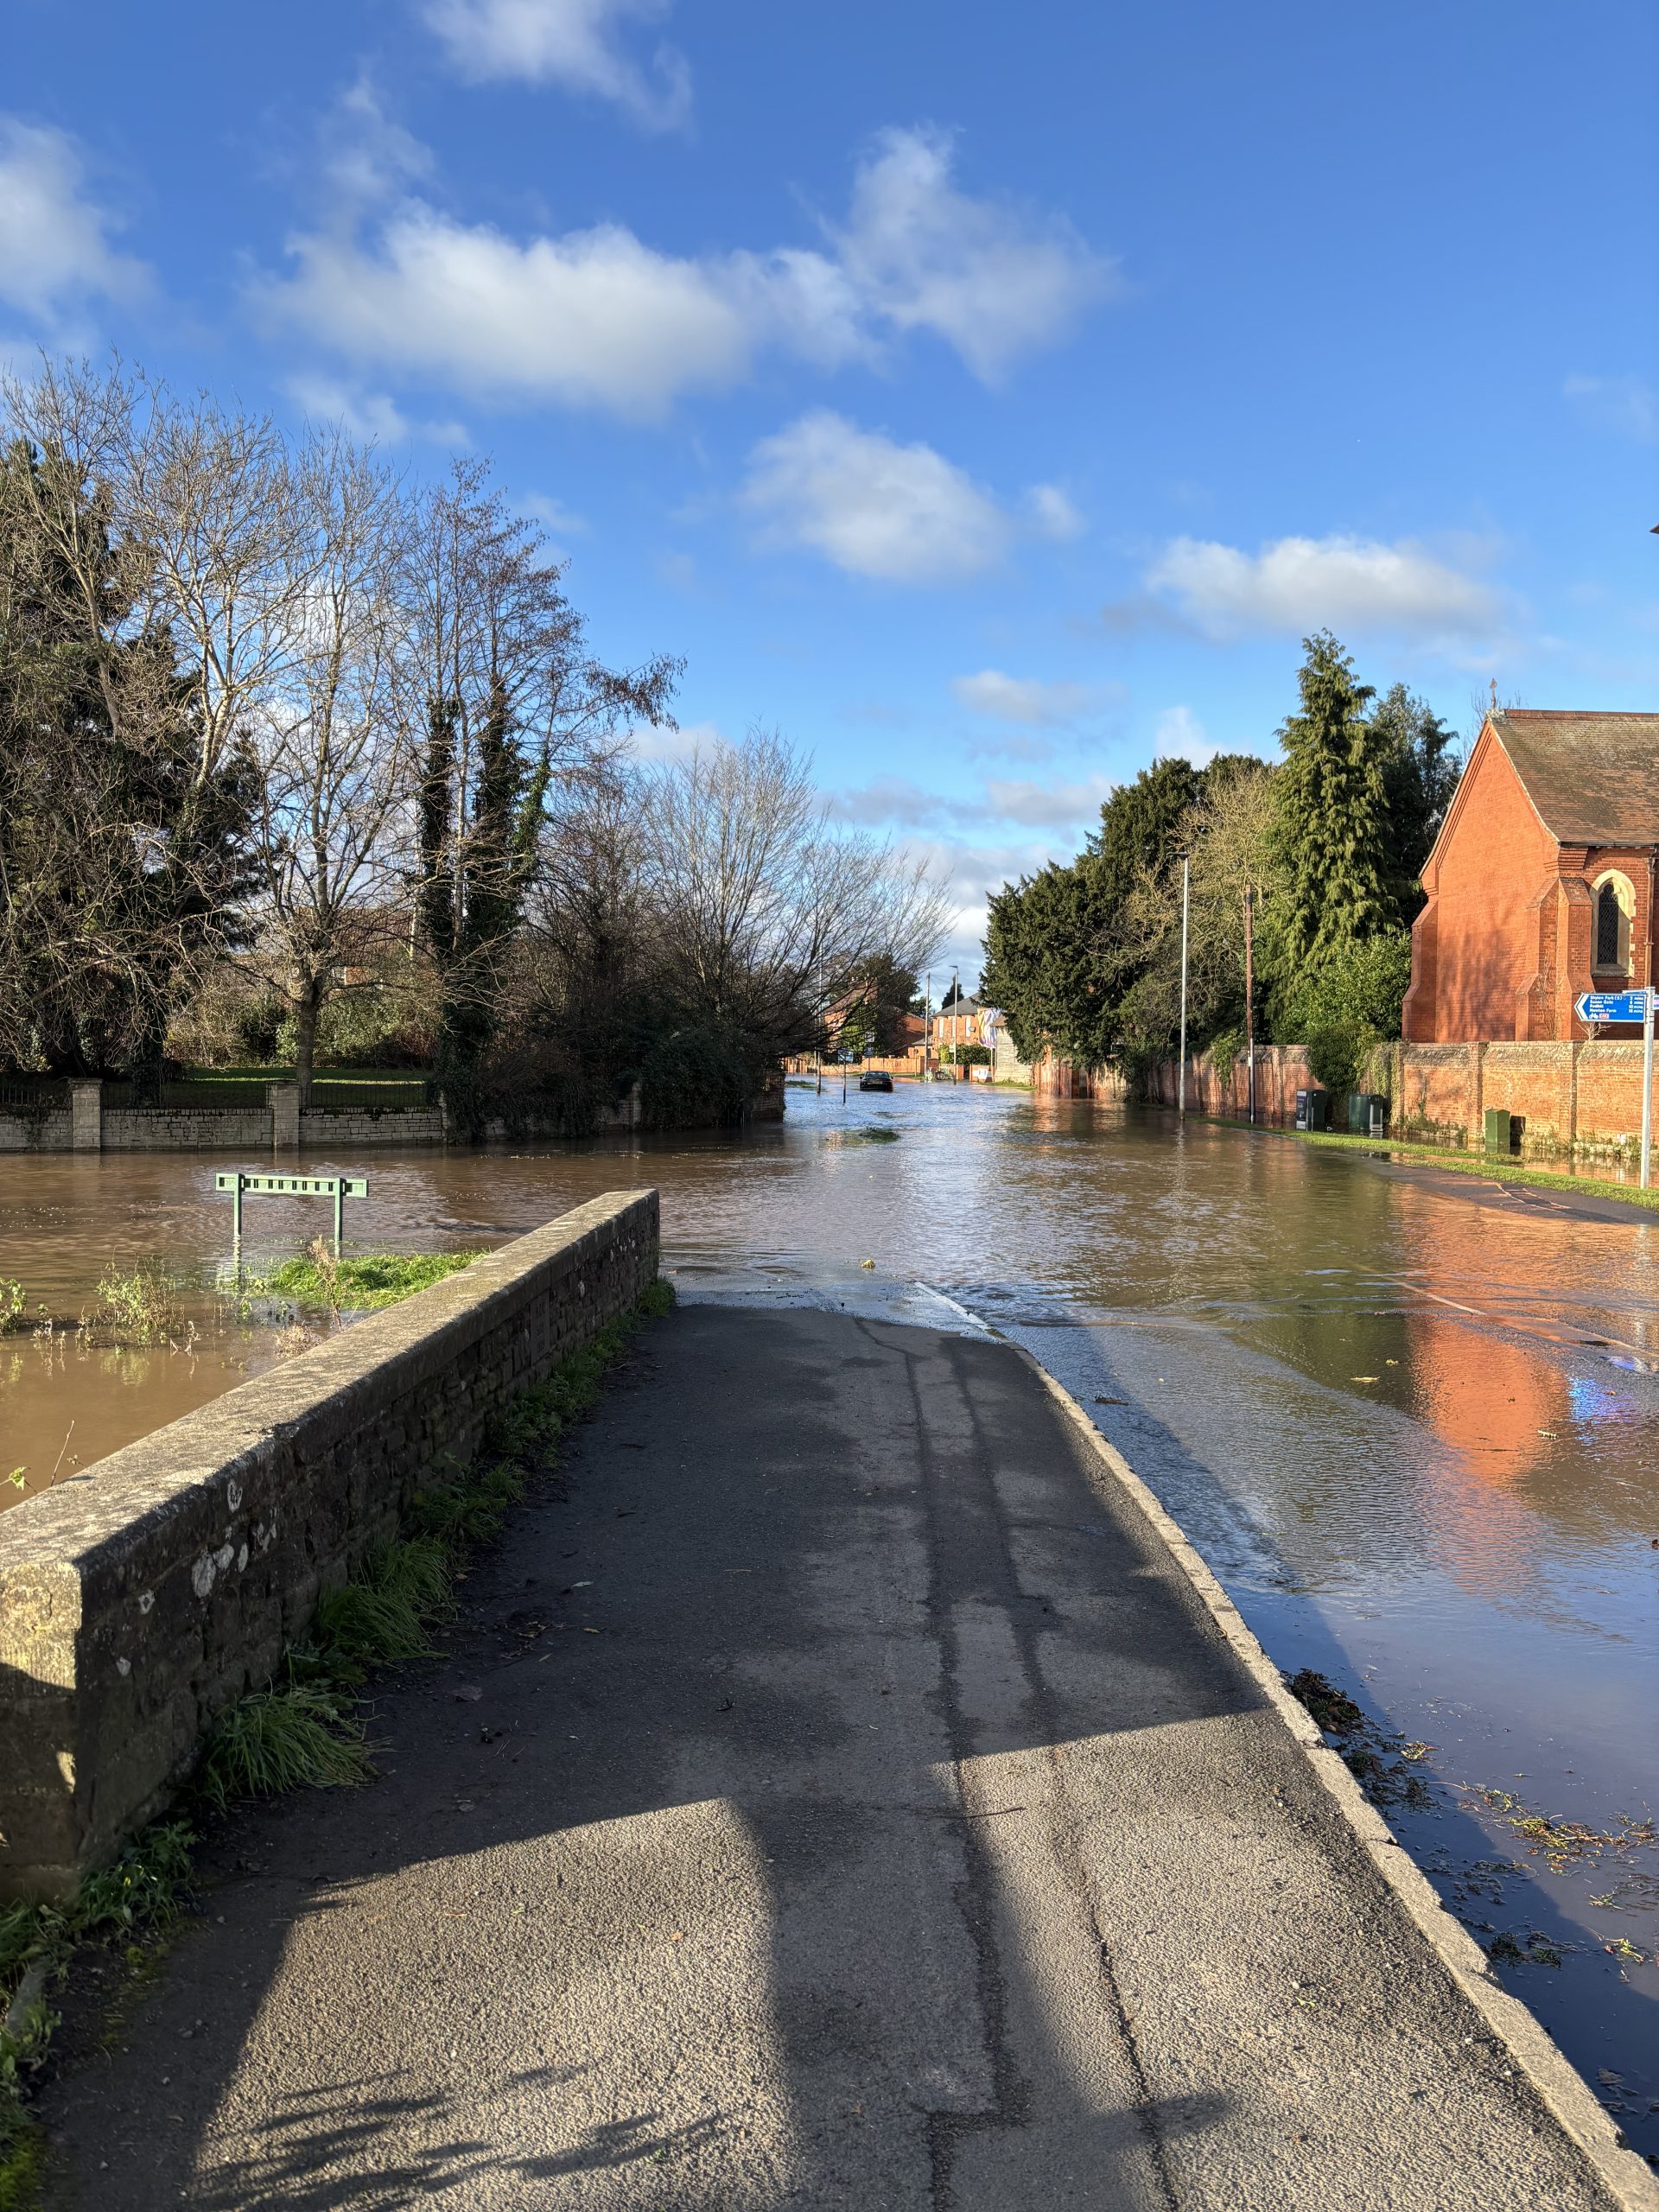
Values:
[(838, 1799)]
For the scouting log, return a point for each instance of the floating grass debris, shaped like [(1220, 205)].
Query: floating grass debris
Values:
[(1530, 1949), (1564, 1844), (1378, 1760), (363, 1283)]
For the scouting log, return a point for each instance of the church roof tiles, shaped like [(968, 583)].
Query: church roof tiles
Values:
[(1594, 779)]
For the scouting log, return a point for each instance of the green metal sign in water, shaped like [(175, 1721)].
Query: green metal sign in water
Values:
[(337, 1187)]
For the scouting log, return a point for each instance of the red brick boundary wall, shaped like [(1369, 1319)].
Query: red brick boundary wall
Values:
[(1583, 1099)]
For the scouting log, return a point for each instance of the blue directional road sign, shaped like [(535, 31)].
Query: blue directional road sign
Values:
[(1613, 1006)]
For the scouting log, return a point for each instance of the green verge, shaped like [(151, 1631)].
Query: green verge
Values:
[(363, 1284), (301, 1730), (1456, 1163)]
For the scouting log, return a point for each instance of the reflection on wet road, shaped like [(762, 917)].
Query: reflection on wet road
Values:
[(1412, 1428)]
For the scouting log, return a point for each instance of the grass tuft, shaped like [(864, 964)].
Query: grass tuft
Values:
[(20, 2151), (302, 1736), (138, 1305), (146, 1889), (379, 1617), (363, 1284), (1485, 1166)]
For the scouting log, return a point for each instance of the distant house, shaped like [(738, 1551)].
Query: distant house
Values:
[(962, 1022), (1540, 884)]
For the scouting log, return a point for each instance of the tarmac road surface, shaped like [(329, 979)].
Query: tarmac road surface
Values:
[(839, 1799)]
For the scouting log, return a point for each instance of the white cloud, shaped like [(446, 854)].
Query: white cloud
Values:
[(1627, 405), (901, 514), (974, 874), (54, 244), (364, 156), (896, 802), (594, 319), (575, 43), (1180, 736), (893, 802), (1299, 584), (1033, 702), (552, 514), (1052, 514), (1046, 806), (373, 416), (991, 281), (597, 318), (661, 743)]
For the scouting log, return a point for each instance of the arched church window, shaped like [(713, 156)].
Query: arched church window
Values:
[(1615, 906), (1607, 921)]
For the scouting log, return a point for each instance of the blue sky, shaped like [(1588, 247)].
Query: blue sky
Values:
[(990, 398)]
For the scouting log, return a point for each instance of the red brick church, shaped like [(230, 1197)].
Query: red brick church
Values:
[(1540, 884)]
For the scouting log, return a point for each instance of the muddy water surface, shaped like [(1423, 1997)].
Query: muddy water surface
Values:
[(1412, 1421)]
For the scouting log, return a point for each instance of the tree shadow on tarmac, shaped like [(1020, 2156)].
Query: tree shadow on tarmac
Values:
[(836, 1802)]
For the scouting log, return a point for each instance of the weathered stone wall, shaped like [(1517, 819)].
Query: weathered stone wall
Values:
[(321, 1128), (36, 1132), (155, 1128), (141, 1597), (280, 1124)]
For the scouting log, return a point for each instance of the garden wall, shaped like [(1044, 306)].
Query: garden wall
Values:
[(1583, 1099), (142, 1596), (281, 1125)]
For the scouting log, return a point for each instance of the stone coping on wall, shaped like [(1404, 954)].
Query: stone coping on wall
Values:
[(144, 1596)]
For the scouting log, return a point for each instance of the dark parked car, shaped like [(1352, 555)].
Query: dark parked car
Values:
[(875, 1079)]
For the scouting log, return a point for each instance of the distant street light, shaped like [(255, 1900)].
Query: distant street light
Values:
[(1186, 887), (1249, 995)]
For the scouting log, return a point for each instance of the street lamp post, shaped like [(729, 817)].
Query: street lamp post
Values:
[(1249, 995), (1180, 1081)]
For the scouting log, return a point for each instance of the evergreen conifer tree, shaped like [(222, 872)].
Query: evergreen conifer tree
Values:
[(1330, 836)]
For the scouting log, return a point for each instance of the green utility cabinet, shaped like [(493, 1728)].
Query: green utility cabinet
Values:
[(1500, 1130), (1367, 1113)]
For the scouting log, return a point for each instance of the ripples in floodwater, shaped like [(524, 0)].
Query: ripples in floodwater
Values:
[(1411, 1421)]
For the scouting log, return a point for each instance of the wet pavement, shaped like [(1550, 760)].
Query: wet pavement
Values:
[(833, 1793), (1410, 1420)]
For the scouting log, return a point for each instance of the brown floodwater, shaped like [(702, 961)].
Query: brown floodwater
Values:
[(1413, 1427)]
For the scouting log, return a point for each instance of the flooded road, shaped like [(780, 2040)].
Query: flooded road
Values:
[(1412, 1428)]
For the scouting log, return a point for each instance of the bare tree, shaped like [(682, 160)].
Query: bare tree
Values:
[(333, 823), (771, 910)]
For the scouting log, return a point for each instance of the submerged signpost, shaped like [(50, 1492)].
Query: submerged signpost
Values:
[(1595, 1007), (337, 1187)]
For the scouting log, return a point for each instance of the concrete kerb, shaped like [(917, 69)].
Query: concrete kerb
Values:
[(1561, 2087)]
